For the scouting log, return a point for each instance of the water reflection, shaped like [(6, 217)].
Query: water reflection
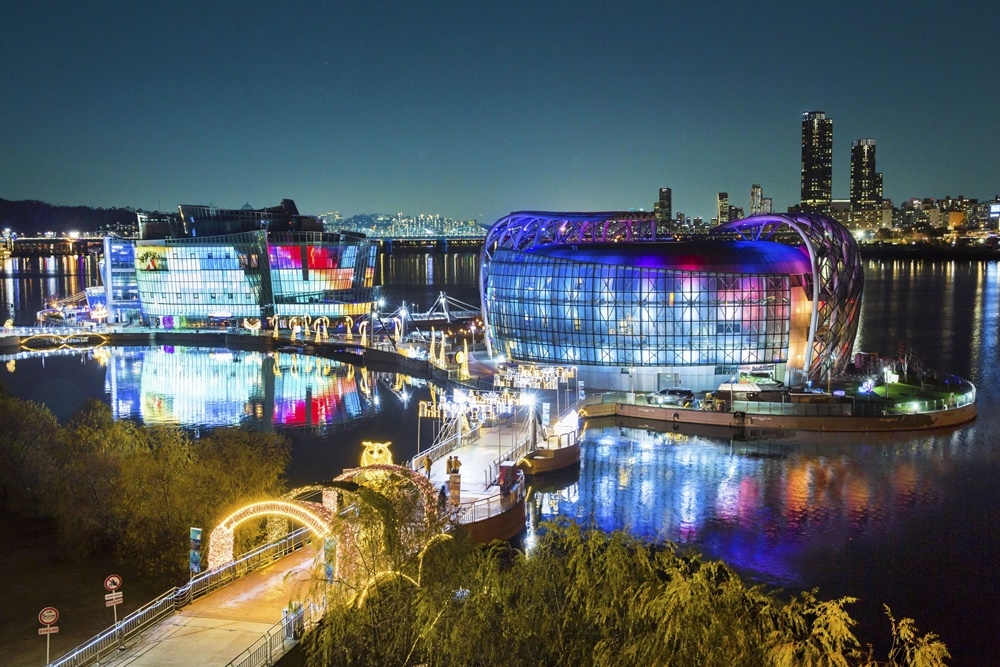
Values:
[(29, 283), (762, 505), (202, 387)]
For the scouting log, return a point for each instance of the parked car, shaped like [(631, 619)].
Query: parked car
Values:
[(671, 396)]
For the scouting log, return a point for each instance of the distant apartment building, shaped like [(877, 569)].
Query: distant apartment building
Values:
[(916, 213), (866, 186), (817, 162), (722, 206), (663, 209), (756, 199)]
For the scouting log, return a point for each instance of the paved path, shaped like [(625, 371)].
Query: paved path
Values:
[(214, 630), (476, 458)]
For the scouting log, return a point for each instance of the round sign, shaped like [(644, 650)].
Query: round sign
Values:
[(48, 616), (113, 582)]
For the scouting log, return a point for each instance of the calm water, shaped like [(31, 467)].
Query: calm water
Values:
[(909, 520)]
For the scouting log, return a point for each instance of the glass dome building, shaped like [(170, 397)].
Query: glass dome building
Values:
[(769, 296)]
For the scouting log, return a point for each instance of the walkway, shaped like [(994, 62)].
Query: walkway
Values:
[(217, 628), (477, 457)]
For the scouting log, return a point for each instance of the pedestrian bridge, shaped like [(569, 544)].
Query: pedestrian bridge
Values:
[(257, 606)]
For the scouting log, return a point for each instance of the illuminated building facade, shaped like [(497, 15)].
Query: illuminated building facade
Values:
[(634, 311), (817, 162), (268, 263)]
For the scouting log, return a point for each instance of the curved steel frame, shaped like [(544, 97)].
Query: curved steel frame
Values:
[(837, 282), (531, 229), (837, 278)]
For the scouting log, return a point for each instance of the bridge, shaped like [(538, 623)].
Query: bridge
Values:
[(249, 610), (430, 244)]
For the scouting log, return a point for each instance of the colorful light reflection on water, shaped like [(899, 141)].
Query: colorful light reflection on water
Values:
[(760, 505)]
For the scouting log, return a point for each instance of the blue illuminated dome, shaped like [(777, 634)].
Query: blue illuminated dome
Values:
[(634, 310)]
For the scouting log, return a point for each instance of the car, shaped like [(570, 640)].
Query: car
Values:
[(671, 396)]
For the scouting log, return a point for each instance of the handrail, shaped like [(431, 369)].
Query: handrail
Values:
[(494, 505), (281, 636), (133, 625)]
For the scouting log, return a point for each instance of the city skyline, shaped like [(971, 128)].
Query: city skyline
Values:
[(474, 112)]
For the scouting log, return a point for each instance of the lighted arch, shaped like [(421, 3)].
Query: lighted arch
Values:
[(313, 516)]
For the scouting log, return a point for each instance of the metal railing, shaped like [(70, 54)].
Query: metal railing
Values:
[(444, 446), (133, 625), (279, 638), (485, 508), (521, 446)]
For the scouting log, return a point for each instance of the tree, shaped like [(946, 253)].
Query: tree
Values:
[(26, 440), (585, 597)]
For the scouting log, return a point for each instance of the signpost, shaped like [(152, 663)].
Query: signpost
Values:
[(47, 617), (113, 582)]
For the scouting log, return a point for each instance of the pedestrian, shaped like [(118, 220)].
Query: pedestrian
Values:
[(442, 498), (455, 465), (448, 467), (427, 466)]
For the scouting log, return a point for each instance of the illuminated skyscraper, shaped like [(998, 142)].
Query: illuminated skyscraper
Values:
[(756, 199), (866, 183), (817, 162), (663, 209), (723, 206)]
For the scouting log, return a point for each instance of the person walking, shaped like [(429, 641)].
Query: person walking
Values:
[(455, 465), (427, 466), (443, 498), (449, 466)]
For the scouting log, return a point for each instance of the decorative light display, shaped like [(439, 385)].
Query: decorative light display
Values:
[(312, 515), (472, 404), (528, 376), (376, 453)]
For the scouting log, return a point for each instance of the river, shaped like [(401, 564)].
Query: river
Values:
[(909, 520)]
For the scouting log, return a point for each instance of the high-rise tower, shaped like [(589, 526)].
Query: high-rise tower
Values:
[(722, 200), (866, 183), (663, 209), (817, 162), (756, 199)]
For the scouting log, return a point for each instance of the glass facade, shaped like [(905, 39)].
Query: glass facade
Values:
[(201, 282), (634, 311), (121, 293), (550, 310), (315, 274), (188, 282)]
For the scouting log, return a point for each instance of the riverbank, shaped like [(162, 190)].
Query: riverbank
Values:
[(40, 576)]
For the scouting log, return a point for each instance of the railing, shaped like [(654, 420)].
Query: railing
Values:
[(279, 638), (133, 625), (444, 446), (484, 508), (963, 390), (521, 446)]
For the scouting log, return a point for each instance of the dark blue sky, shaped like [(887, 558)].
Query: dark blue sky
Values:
[(473, 109)]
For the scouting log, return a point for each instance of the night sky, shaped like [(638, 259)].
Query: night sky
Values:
[(472, 109)]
